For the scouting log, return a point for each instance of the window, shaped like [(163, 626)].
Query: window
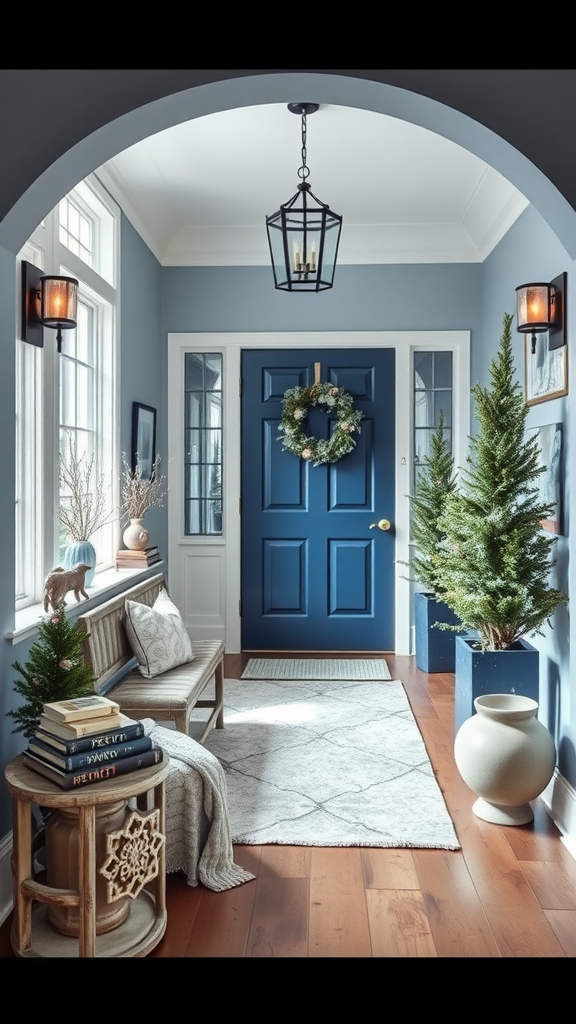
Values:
[(432, 395), (71, 398), (203, 443)]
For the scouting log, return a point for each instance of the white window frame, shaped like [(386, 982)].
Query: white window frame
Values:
[(38, 422)]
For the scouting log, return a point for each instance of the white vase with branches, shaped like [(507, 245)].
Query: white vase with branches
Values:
[(83, 506), (139, 495)]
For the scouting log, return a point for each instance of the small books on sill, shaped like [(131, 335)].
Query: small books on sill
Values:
[(127, 559), (81, 708)]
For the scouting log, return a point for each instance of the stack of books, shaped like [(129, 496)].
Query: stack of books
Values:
[(126, 559), (88, 740)]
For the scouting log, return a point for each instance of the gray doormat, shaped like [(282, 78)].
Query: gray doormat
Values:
[(353, 669)]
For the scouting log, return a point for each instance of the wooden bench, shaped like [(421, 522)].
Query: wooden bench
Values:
[(169, 697)]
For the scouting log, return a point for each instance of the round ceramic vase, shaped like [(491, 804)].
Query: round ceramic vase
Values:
[(81, 551), (136, 535), (506, 756)]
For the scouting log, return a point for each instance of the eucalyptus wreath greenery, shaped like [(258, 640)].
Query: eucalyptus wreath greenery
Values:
[(296, 403)]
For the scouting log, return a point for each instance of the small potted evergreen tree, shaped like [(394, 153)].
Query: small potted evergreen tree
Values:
[(55, 670), (495, 560), (436, 480)]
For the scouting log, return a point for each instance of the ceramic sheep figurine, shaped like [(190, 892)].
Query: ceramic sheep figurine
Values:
[(59, 581)]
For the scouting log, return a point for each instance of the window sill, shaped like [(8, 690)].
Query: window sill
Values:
[(107, 584)]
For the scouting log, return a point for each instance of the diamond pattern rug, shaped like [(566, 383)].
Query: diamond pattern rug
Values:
[(328, 764)]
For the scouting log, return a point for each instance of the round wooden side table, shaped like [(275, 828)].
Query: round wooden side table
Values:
[(32, 935)]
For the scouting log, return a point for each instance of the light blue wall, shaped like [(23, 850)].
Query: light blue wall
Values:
[(531, 252), (364, 298), (143, 365)]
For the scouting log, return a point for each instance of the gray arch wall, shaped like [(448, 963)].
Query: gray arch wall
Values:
[(512, 119), (515, 120)]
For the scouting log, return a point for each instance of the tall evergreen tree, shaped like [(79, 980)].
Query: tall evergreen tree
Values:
[(495, 560), (55, 670), (435, 482)]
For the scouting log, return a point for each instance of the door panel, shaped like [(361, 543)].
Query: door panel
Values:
[(314, 576)]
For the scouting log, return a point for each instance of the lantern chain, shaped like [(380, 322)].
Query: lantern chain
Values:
[(304, 170)]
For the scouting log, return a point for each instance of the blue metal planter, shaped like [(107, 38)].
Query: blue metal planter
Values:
[(481, 672), (434, 647)]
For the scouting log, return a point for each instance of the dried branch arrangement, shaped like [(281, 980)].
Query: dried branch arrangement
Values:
[(83, 509), (141, 494)]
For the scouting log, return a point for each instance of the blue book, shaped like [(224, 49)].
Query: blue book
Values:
[(127, 730), (100, 773), (88, 758)]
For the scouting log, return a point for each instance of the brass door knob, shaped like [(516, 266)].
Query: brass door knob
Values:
[(382, 524)]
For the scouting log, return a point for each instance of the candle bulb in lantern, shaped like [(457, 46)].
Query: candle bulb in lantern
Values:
[(296, 255)]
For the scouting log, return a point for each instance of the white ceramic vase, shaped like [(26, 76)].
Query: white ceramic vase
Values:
[(136, 535), (506, 756)]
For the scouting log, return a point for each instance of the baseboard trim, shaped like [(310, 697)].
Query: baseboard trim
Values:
[(560, 801), (6, 886)]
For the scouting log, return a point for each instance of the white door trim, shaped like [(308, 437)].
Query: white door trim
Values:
[(210, 603)]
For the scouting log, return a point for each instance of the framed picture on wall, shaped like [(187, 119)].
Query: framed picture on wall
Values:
[(545, 371), (143, 437), (550, 480)]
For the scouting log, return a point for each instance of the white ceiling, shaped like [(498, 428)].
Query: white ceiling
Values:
[(199, 193)]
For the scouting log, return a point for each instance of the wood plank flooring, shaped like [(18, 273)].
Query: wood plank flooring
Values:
[(509, 892)]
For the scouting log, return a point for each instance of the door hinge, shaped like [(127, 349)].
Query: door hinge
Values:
[(239, 506), (240, 386), (240, 607)]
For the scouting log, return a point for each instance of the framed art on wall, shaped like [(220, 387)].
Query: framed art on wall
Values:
[(545, 371), (143, 437), (550, 480)]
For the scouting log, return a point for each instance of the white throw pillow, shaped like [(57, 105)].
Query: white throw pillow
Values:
[(157, 636)]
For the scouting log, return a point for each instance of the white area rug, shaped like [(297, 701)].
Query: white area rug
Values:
[(328, 764), (316, 668)]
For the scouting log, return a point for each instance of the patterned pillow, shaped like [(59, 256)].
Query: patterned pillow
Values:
[(157, 636)]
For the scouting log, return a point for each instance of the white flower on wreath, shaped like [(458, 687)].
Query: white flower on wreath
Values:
[(307, 453), (299, 413)]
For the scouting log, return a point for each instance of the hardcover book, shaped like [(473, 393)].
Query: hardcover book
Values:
[(128, 730), (138, 556), (88, 758), (74, 730), (100, 773), (81, 708)]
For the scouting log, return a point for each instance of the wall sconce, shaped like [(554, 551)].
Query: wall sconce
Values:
[(541, 307), (47, 301)]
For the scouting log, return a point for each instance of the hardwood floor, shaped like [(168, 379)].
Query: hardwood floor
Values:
[(508, 892)]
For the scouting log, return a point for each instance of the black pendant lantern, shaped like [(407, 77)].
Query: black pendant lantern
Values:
[(304, 233)]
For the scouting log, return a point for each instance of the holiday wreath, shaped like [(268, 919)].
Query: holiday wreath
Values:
[(296, 403)]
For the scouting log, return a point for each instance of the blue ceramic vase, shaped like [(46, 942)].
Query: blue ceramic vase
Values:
[(81, 551)]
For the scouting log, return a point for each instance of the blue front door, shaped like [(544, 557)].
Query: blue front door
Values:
[(315, 577)]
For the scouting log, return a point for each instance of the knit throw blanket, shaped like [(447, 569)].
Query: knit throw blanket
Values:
[(198, 839)]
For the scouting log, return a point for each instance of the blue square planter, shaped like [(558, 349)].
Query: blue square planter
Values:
[(434, 647), (482, 672)]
